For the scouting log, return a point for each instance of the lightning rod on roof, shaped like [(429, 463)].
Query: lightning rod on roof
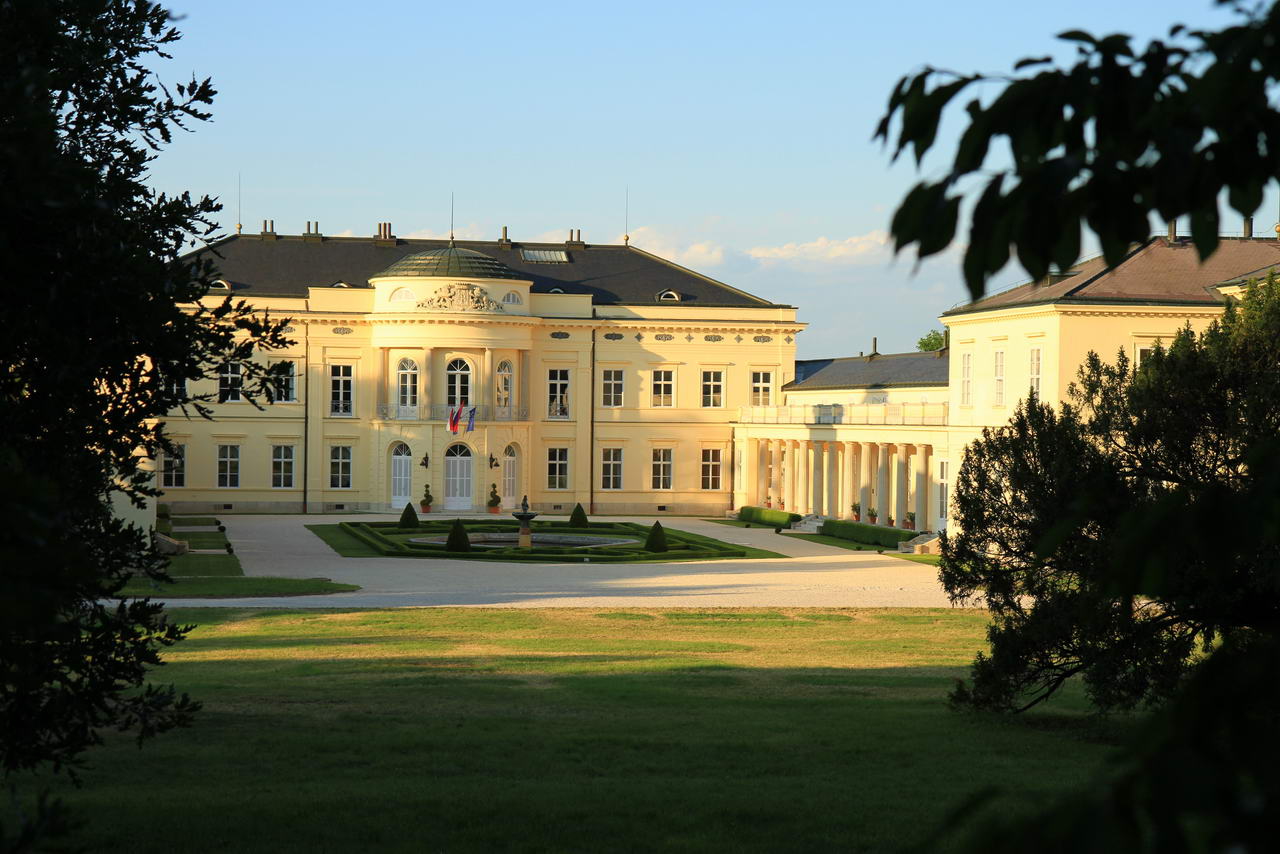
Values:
[(450, 218), (626, 218)]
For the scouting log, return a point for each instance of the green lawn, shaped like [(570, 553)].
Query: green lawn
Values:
[(464, 729), (228, 588), (342, 542), (202, 539), (840, 542), (194, 521), (184, 565)]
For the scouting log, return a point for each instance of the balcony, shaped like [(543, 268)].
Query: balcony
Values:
[(442, 411), (911, 414)]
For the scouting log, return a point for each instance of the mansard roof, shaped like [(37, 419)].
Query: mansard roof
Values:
[(1157, 272), (882, 370), (257, 265)]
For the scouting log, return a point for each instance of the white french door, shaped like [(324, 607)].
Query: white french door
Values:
[(401, 476), (510, 477), (457, 478)]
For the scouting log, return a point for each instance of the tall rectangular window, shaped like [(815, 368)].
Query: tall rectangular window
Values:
[(661, 473), (966, 379), (1141, 355), (228, 466), (942, 493), (713, 389), (282, 466), (173, 467), (175, 387), (557, 468), (762, 388), (1034, 370), (558, 393), (286, 390), (710, 468), (998, 370), (611, 468), (340, 467), (229, 382), (341, 390), (664, 388), (611, 388)]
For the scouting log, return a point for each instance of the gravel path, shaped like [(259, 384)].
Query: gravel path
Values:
[(815, 575)]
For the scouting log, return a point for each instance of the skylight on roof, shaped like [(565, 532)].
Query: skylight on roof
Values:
[(545, 256)]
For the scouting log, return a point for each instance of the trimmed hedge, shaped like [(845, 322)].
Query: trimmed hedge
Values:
[(860, 532), (765, 516), (681, 544)]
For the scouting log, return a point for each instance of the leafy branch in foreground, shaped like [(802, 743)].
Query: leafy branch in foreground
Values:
[(1106, 142)]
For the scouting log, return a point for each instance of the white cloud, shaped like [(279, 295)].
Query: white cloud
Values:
[(694, 255), (870, 248)]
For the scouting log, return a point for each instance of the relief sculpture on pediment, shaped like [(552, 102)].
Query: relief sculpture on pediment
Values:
[(461, 297)]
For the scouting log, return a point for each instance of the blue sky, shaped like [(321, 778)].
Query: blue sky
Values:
[(742, 130)]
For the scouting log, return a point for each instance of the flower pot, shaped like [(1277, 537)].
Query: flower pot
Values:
[(910, 526), (873, 519), (426, 508), (494, 510), (857, 517)]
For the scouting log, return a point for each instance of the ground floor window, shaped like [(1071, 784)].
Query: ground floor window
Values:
[(611, 468), (711, 468), (282, 466), (942, 493), (173, 467), (229, 466), (661, 471), (557, 468), (340, 467)]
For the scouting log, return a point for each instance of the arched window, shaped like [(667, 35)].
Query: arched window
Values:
[(502, 393), (403, 295), (458, 382), (669, 296), (457, 451), (407, 387), (512, 298)]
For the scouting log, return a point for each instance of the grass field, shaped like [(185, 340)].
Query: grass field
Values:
[(232, 588), (573, 730)]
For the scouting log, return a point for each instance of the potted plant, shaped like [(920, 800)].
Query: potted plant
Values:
[(911, 520), (426, 498), (494, 503), (871, 515), (857, 511), (890, 522)]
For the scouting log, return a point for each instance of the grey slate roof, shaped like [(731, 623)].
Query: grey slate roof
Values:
[(885, 370), (612, 275)]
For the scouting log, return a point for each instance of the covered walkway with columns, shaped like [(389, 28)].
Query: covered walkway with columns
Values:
[(825, 472)]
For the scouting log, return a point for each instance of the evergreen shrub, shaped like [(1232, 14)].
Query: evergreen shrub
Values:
[(408, 518), (768, 517), (859, 532), (657, 541), (458, 541), (578, 518)]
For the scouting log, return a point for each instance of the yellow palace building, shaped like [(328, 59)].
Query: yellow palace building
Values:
[(602, 374)]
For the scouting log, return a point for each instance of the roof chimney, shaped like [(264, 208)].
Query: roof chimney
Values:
[(575, 238), (504, 241), (1173, 230), (384, 237), (1248, 227), (268, 230), (874, 352), (313, 232)]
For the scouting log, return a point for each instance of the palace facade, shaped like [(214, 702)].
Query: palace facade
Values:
[(576, 372)]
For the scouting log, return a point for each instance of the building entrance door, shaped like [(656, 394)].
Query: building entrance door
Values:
[(510, 476), (457, 478), (401, 476)]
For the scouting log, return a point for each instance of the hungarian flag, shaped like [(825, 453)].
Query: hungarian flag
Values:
[(471, 419)]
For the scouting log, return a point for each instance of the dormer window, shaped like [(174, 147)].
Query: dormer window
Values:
[(340, 285), (512, 298), (219, 285), (556, 291), (668, 296)]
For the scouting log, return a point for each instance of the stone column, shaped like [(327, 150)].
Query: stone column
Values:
[(775, 472), (900, 486), (817, 479), (485, 386), (847, 495), (803, 497), (866, 451), (762, 471), (881, 499), (834, 501), (790, 476), (922, 487), (750, 463)]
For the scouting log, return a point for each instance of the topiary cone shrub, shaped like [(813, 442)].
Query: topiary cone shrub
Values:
[(578, 518), (657, 540), (408, 518), (458, 541)]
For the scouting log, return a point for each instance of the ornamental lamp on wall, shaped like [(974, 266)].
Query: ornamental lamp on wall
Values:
[(493, 462), (425, 462)]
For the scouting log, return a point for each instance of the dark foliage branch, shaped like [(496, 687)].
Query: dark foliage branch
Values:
[(99, 315), (1105, 143)]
